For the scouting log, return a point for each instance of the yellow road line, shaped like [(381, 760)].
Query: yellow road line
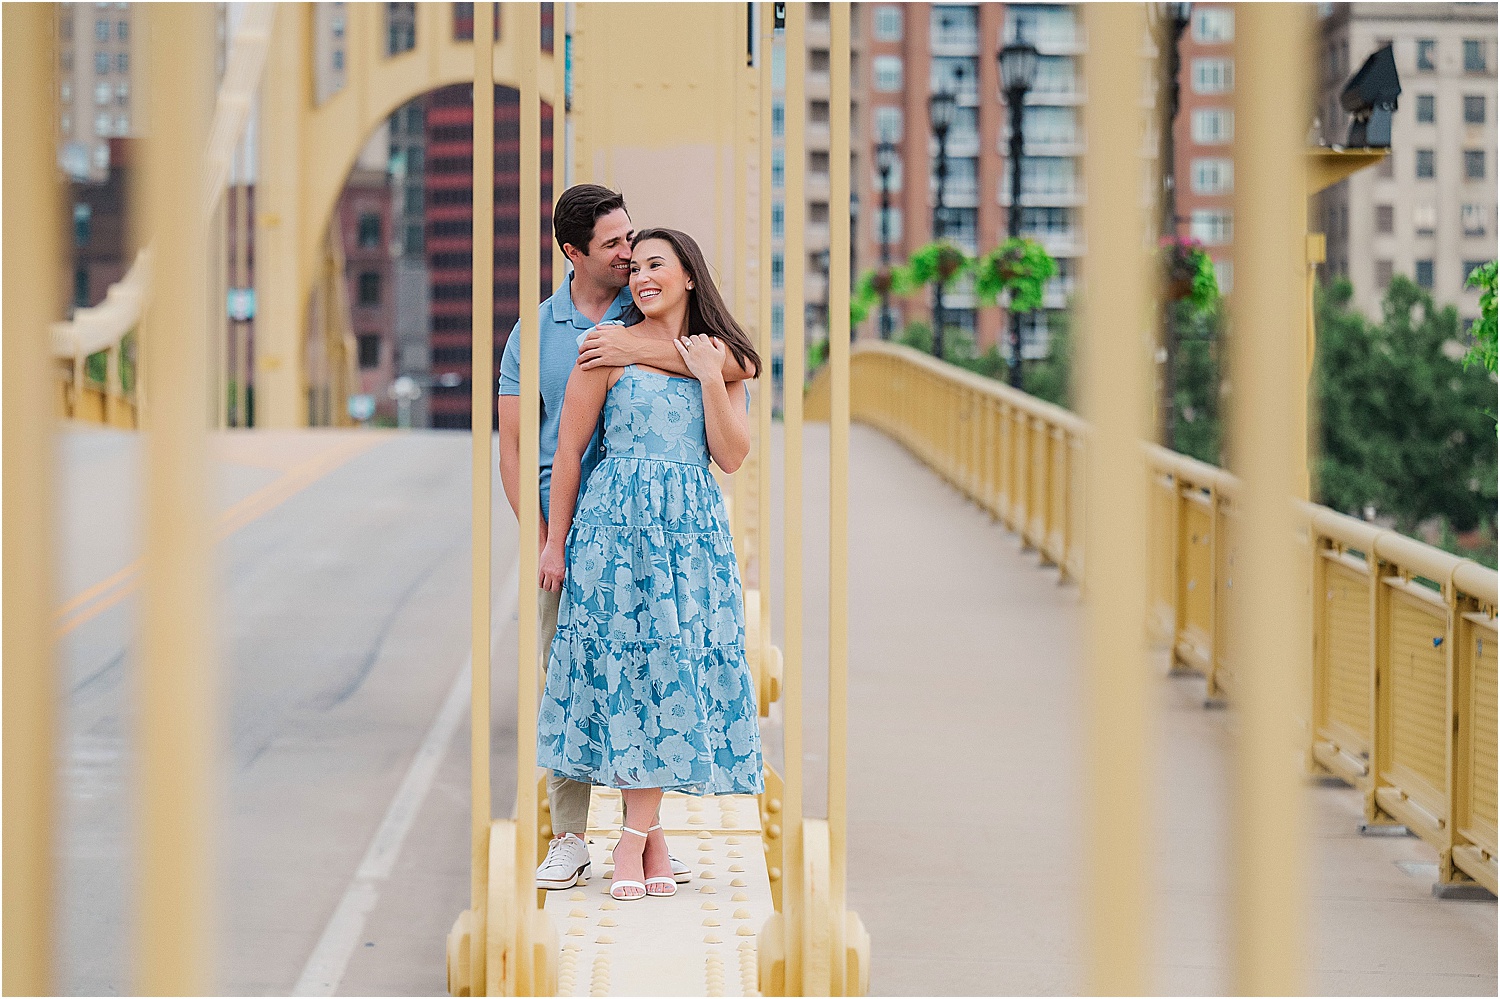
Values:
[(105, 594)]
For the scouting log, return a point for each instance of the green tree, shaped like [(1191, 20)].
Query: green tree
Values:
[(1050, 378), (1197, 427), (1404, 428)]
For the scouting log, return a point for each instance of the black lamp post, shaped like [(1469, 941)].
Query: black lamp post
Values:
[(1017, 73), (1172, 21), (940, 107), (885, 163)]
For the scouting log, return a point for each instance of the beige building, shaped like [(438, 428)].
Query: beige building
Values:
[(97, 69), (1429, 211)]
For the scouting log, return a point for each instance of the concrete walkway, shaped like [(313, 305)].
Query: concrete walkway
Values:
[(966, 785)]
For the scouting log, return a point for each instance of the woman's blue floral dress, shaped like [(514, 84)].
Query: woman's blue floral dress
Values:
[(647, 684)]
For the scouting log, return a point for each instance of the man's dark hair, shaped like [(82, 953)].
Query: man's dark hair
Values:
[(578, 209)]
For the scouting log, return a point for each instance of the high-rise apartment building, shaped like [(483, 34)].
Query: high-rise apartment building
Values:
[(1429, 210), (364, 221), (96, 76), (449, 206), (1203, 168), (911, 51)]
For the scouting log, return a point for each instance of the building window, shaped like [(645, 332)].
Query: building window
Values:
[(894, 220), (102, 126), (778, 168), (1047, 25), (1474, 109), (1474, 164), (1054, 76), (1212, 227), (369, 288), (122, 31), (369, 350), (957, 75), (778, 321), (955, 27), (122, 125), (1424, 274), (817, 61), (1044, 175), (887, 23), (1213, 76), (1473, 220), (888, 124), (101, 63), (1426, 108), (817, 112), (102, 94), (1424, 220), (1213, 176), (1383, 271), (778, 271), (1426, 54), (1426, 164), (1385, 219), (1470, 266), (369, 230), (338, 60), (1224, 274), (67, 124), (1046, 222), (887, 73), (101, 31), (778, 221), (414, 238), (1474, 55), (817, 212), (122, 94), (1213, 126), (1213, 24), (122, 62), (778, 118)]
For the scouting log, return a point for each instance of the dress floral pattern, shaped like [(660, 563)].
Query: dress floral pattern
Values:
[(647, 684)]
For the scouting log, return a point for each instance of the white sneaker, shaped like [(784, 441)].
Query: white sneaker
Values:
[(567, 863)]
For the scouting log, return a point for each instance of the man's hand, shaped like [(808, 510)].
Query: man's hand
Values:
[(608, 345)]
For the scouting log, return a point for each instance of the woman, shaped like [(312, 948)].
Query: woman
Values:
[(647, 685)]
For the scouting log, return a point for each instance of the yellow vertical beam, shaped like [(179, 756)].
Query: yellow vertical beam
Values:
[(559, 126), (765, 390), (838, 471), (795, 266), (280, 200), (1268, 456), (526, 19), (482, 362), (1117, 402), (176, 692), (33, 259)]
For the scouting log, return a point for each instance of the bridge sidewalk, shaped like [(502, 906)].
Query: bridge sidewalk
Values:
[(966, 788)]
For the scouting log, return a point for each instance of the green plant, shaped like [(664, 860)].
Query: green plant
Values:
[(917, 335), (1019, 266), (1482, 351), (938, 261), (1189, 272)]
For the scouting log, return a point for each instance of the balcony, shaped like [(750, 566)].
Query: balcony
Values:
[(1050, 196)]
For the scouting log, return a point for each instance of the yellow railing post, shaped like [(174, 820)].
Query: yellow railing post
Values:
[(1116, 399), (33, 260), (1267, 656), (177, 694), (482, 359)]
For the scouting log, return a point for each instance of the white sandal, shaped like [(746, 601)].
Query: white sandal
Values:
[(670, 882), (629, 884)]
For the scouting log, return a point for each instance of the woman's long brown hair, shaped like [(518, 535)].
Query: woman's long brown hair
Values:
[(706, 312)]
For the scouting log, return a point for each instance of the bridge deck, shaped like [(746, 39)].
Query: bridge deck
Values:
[(344, 626)]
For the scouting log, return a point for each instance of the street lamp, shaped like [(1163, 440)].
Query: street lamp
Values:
[(940, 108), (1172, 21), (1017, 73), (885, 163)]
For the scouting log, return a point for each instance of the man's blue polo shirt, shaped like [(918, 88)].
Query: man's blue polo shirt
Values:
[(562, 328)]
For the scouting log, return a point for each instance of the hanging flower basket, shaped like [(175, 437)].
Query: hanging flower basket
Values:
[(1188, 272), (1019, 267)]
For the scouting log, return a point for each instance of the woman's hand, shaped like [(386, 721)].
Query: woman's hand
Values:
[(704, 356), (551, 568)]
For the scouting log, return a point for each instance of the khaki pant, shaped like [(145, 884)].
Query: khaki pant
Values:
[(569, 798)]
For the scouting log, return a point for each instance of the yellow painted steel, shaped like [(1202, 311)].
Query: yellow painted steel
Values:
[(177, 691), (785, 935), (769, 658), (559, 127), (33, 261), (1267, 429), (1116, 397)]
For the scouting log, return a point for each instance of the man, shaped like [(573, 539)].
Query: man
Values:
[(593, 230)]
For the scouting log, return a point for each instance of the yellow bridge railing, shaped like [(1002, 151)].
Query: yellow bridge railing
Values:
[(1402, 700)]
